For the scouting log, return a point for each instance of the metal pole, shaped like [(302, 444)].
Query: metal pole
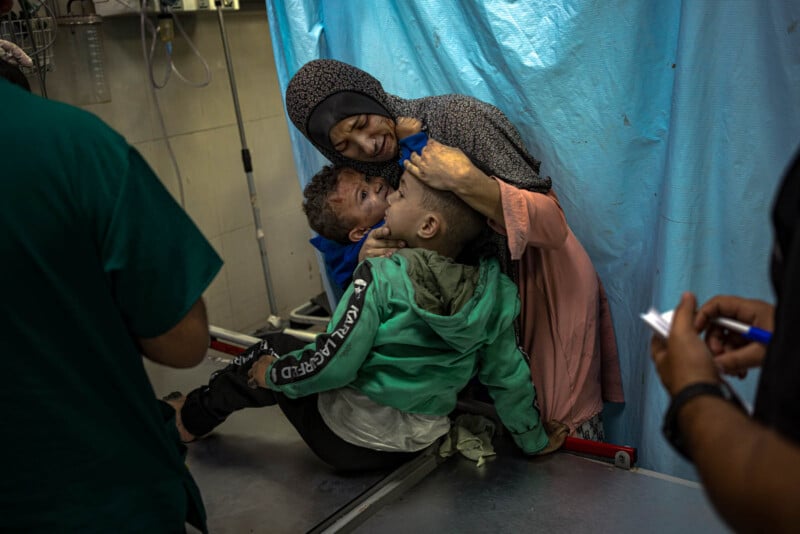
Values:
[(274, 320)]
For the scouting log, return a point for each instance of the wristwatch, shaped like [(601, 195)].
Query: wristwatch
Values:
[(671, 428)]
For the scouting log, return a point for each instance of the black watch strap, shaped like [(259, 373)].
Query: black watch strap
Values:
[(671, 428)]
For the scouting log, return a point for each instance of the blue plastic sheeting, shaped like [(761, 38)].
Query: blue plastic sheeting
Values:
[(664, 125)]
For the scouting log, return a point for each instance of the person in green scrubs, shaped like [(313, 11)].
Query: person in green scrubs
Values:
[(98, 266)]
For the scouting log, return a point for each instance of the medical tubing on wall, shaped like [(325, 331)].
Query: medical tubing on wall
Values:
[(195, 51)]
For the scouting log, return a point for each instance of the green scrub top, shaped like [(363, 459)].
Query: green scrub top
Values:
[(94, 252)]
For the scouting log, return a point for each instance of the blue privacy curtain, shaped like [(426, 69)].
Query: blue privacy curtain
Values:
[(664, 125)]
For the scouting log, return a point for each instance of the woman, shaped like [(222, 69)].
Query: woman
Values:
[(566, 326)]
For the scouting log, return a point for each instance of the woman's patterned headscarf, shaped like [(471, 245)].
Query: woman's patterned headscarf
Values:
[(479, 129)]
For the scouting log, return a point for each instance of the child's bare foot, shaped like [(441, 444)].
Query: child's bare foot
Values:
[(176, 400)]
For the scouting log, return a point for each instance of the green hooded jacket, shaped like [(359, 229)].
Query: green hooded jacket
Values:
[(411, 331)]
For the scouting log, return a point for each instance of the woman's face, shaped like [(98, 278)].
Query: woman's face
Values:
[(369, 138)]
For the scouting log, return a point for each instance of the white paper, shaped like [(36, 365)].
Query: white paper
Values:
[(659, 322)]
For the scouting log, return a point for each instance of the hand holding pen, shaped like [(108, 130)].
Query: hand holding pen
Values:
[(724, 318)]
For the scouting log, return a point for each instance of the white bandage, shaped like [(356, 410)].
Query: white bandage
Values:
[(11, 53)]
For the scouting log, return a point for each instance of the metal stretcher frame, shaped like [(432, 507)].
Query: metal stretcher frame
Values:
[(623, 456)]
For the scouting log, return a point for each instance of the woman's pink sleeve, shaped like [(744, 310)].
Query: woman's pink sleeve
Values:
[(531, 220)]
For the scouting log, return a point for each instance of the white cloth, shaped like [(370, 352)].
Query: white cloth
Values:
[(358, 420), (471, 435)]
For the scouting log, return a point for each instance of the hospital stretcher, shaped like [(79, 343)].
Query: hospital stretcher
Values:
[(257, 475), (623, 456)]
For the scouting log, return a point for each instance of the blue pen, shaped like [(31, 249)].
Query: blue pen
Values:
[(752, 333)]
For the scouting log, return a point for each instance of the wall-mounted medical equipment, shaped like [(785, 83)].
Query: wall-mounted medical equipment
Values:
[(110, 8)]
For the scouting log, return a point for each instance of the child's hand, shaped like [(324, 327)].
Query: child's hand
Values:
[(406, 126), (258, 372), (557, 433)]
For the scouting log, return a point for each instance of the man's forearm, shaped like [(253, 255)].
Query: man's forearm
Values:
[(750, 472)]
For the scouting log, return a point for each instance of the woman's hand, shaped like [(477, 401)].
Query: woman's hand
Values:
[(683, 358), (442, 167), (733, 354), (379, 244), (449, 169)]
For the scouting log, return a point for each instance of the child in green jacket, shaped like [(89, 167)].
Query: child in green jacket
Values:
[(408, 335)]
